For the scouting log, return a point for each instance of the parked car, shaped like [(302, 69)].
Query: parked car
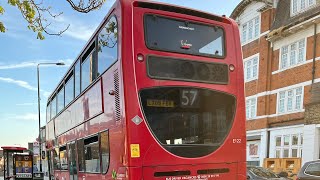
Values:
[(310, 170), (260, 173)]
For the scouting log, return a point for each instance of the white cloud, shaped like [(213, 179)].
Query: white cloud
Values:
[(23, 84), (20, 83), (26, 104), (28, 116), (20, 65), (78, 29), (27, 64)]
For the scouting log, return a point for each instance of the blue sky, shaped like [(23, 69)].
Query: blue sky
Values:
[(20, 51)]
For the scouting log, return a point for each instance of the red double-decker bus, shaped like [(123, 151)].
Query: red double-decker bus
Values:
[(156, 93)]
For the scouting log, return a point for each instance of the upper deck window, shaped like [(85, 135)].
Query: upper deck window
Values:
[(69, 89), (48, 113), (108, 45), (60, 100), (77, 79), (183, 36), (53, 108), (86, 71)]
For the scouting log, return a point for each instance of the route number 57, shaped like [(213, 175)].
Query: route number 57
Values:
[(188, 97)]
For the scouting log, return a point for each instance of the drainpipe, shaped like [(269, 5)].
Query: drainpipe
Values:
[(314, 52)]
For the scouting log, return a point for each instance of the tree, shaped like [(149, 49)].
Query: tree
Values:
[(35, 13)]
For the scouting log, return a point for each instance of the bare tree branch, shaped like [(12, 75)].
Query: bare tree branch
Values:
[(35, 13), (86, 7)]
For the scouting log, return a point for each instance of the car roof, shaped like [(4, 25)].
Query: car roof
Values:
[(313, 161)]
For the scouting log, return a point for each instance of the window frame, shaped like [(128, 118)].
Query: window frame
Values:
[(280, 141), (97, 45), (60, 89), (53, 99), (48, 114), (100, 154), (77, 146), (245, 64), (294, 100), (307, 6), (66, 81), (63, 146), (250, 100), (288, 147), (88, 55), (107, 169), (288, 60), (88, 137), (54, 164), (224, 46), (254, 37), (77, 63)]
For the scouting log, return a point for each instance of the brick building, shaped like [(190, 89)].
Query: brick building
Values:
[(281, 53)]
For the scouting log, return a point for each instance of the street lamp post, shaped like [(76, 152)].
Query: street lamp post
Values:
[(38, 77)]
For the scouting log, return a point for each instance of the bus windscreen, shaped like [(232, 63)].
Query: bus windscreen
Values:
[(181, 36), (188, 122)]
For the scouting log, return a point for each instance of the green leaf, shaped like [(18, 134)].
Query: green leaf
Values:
[(114, 174), (2, 28), (1, 10), (40, 36), (13, 2)]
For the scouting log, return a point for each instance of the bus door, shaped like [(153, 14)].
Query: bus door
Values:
[(73, 170)]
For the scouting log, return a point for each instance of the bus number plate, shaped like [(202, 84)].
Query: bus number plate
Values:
[(159, 103)]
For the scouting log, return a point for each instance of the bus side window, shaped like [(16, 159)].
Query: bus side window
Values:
[(77, 81), (63, 158), (91, 154), (108, 45), (87, 67), (80, 149), (53, 107), (105, 151), (55, 159), (69, 89), (60, 99), (48, 112)]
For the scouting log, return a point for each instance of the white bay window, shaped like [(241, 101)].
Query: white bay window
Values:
[(288, 145)]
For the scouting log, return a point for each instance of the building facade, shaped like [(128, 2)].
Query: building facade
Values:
[(281, 53)]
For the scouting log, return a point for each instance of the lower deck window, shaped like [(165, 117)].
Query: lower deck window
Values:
[(63, 158), (105, 151), (81, 165), (91, 154), (55, 159)]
